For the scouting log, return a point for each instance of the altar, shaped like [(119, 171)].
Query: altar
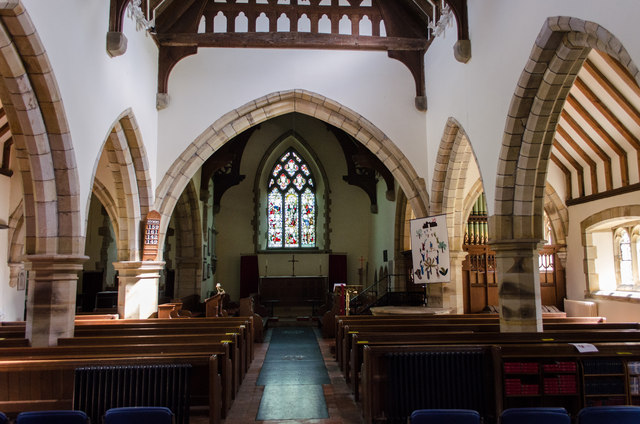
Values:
[(293, 290)]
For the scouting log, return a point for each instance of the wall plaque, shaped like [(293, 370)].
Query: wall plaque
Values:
[(151, 236)]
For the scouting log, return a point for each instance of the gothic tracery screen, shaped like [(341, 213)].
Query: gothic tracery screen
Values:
[(291, 210)]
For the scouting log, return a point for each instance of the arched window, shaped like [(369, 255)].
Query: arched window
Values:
[(624, 258), (291, 210)]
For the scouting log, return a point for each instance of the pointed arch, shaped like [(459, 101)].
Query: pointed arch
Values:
[(558, 55), (558, 215), (276, 104), (188, 225), (42, 139), (450, 194), (126, 194)]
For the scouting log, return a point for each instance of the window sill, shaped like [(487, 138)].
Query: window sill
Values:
[(617, 295)]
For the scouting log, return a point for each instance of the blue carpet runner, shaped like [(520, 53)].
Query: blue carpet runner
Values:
[(293, 374)]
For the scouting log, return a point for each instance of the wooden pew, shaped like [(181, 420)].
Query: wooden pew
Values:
[(237, 331), (46, 384), (361, 340), (220, 349), (352, 320), (472, 326), (383, 379), (177, 323), (184, 340)]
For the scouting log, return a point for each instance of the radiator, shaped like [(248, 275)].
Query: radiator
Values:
[(99, 388), (430, 380)]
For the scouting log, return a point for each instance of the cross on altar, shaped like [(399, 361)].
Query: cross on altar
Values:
[(293, 261)]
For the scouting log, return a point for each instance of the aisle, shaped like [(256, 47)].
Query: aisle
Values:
[(293, 373), (338, 400)]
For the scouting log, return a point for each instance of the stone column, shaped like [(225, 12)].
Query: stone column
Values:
[(15, 268), (138, 283), (453, 291), (51, 302), (519, 285), (188, 277)]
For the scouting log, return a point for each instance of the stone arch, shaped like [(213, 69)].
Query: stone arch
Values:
[(449, 196), (16, 244), (558, 215), (42, 139), (188, 234), (276, 104), (449, 180), (559, 52), (128, 199), (516, 229)]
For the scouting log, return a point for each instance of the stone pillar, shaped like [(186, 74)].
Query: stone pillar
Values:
[(453, 291), (51, 302), (518, 285), (138, 283), (188, 276), (15, 268)]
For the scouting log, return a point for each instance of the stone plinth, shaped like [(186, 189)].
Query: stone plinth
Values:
[(138, 288), (519, 285), (51, 302)]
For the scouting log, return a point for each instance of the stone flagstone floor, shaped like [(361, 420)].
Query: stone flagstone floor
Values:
[(340, 404)]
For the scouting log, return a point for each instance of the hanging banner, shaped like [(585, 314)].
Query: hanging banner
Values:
[(430, 250)]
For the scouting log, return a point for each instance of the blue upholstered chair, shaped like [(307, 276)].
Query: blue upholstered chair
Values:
[(535, 416), (139, 415), (609, 414), (52, 417), (445, 416), (3, 418)]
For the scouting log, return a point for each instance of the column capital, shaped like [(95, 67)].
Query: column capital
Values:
[(514, 245), (59, 263)]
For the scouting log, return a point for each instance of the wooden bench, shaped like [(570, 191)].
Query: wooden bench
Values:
[(46, 384), (221, 350), (398, 379), (352, 320), (361, 340)]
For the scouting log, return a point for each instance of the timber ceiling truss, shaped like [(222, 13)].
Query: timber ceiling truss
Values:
[(597, 139), (180, 27)]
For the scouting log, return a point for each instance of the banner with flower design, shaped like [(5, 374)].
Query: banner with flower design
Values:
[(430, 250)]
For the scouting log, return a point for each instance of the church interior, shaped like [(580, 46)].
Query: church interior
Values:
[(207, 183)]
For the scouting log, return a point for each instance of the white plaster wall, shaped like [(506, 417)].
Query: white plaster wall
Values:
[(575, 271), (502, 34), (382, 232), (96, 88), (206, 86)]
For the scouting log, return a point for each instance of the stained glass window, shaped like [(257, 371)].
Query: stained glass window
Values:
[(291, 204)]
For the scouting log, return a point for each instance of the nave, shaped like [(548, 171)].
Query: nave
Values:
[(339, 401)]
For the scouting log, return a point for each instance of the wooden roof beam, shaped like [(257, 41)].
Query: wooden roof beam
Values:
[(567, 175), (586, 138), (612, 91), (604, 135), (593, 169), (574, 163)]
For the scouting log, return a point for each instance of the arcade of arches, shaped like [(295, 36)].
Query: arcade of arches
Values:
[(303, 151)]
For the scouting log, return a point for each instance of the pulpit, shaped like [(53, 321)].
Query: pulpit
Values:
[(213, 306)]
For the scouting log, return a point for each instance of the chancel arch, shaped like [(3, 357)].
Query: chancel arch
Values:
[(271, 106), (536, 108)]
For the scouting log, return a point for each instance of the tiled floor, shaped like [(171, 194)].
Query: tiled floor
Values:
[(340, 404)]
